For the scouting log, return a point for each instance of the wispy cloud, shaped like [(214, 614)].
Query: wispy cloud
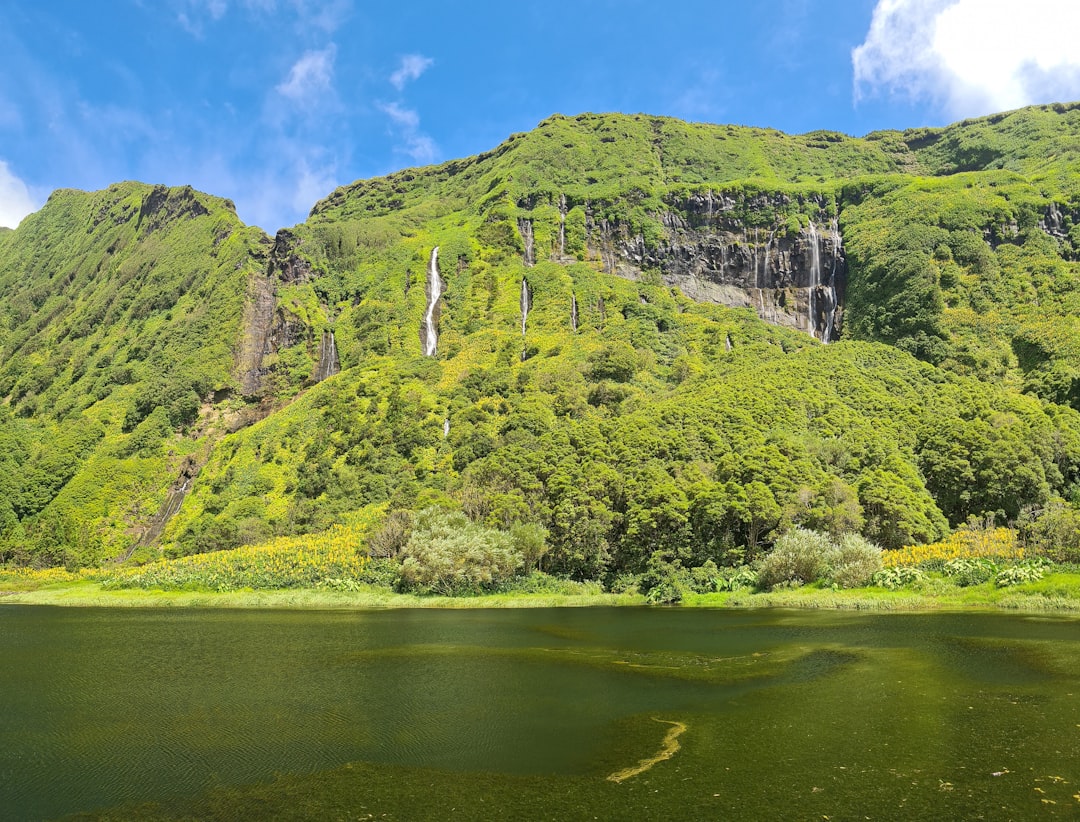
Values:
[(192, 14), (320, 15), (410, 68), (310, 76), (404, 118), (16, 200), (971, 56), (325, 15), (405, 125), (700, 97)]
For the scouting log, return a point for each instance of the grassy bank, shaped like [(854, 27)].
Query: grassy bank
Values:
[(93, 594), (1055, 592)]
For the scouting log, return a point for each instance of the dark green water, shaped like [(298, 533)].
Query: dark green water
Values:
[(522, 714)]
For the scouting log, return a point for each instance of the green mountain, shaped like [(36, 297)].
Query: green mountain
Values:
[(644, 336)]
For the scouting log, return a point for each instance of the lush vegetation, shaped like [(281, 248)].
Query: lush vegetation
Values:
[(628, 435), (120, 315)]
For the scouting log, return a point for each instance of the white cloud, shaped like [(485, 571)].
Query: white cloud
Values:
[(414, 143), (410, 68), (15, 198), (971, 56), (404, 118), (312, 74)]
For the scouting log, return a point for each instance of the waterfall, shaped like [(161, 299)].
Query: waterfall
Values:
[(446, 427), (328, 357), (727, 342), (833, 297), (815, 277), (757, 273), (526, 303), (434, 284), (765, 262), (573, 312)]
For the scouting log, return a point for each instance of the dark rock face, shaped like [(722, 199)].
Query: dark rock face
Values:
[(258, 324), (289, 266), (178, 491), (525, 228), (268, 327), (164, 205), (794, 279)]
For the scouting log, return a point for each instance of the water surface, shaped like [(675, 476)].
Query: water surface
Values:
[(496, 714)]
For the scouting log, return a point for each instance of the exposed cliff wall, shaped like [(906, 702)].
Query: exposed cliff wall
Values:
[(781, 256)]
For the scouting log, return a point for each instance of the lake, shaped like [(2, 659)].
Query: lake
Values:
[(606, 713)]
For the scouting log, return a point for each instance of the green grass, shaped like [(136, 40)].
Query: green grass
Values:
[(91, 594), (1055, 592)]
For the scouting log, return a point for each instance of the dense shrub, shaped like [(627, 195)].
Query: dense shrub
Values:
[(449, 554), (392, 535), (664, 582), (732, 579), (856, 562), (1052, 531), (1026, 571), (966, 572), (799, 556), (898, 577)]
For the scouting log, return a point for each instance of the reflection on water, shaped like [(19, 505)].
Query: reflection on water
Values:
[(496, 713)]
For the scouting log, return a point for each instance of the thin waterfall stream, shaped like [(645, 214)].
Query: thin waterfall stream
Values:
[(434, 289), (526, 304), (815, 278)]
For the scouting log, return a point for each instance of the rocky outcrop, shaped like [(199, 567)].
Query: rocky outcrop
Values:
[(268, 327), (789, 269), (178, 491), (258, 325), (525, 229), (285, 263)]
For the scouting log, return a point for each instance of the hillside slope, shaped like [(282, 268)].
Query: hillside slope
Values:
[(564, 332)]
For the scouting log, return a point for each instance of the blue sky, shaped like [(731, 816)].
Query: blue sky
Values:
[(273, 103)]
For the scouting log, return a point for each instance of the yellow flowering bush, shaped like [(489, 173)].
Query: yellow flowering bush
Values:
[(309, 561), (47, 576), (966, 543)]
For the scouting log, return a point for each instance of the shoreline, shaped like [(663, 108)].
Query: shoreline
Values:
[(91, 595)]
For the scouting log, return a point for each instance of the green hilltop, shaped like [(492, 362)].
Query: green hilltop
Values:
[(654, 339)]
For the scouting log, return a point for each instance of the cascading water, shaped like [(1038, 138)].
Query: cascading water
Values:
[(526, 304), (573, 312), (815, 278), (765, 262), (757, 270), (833, 298), (434, 288), (328, 357)]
